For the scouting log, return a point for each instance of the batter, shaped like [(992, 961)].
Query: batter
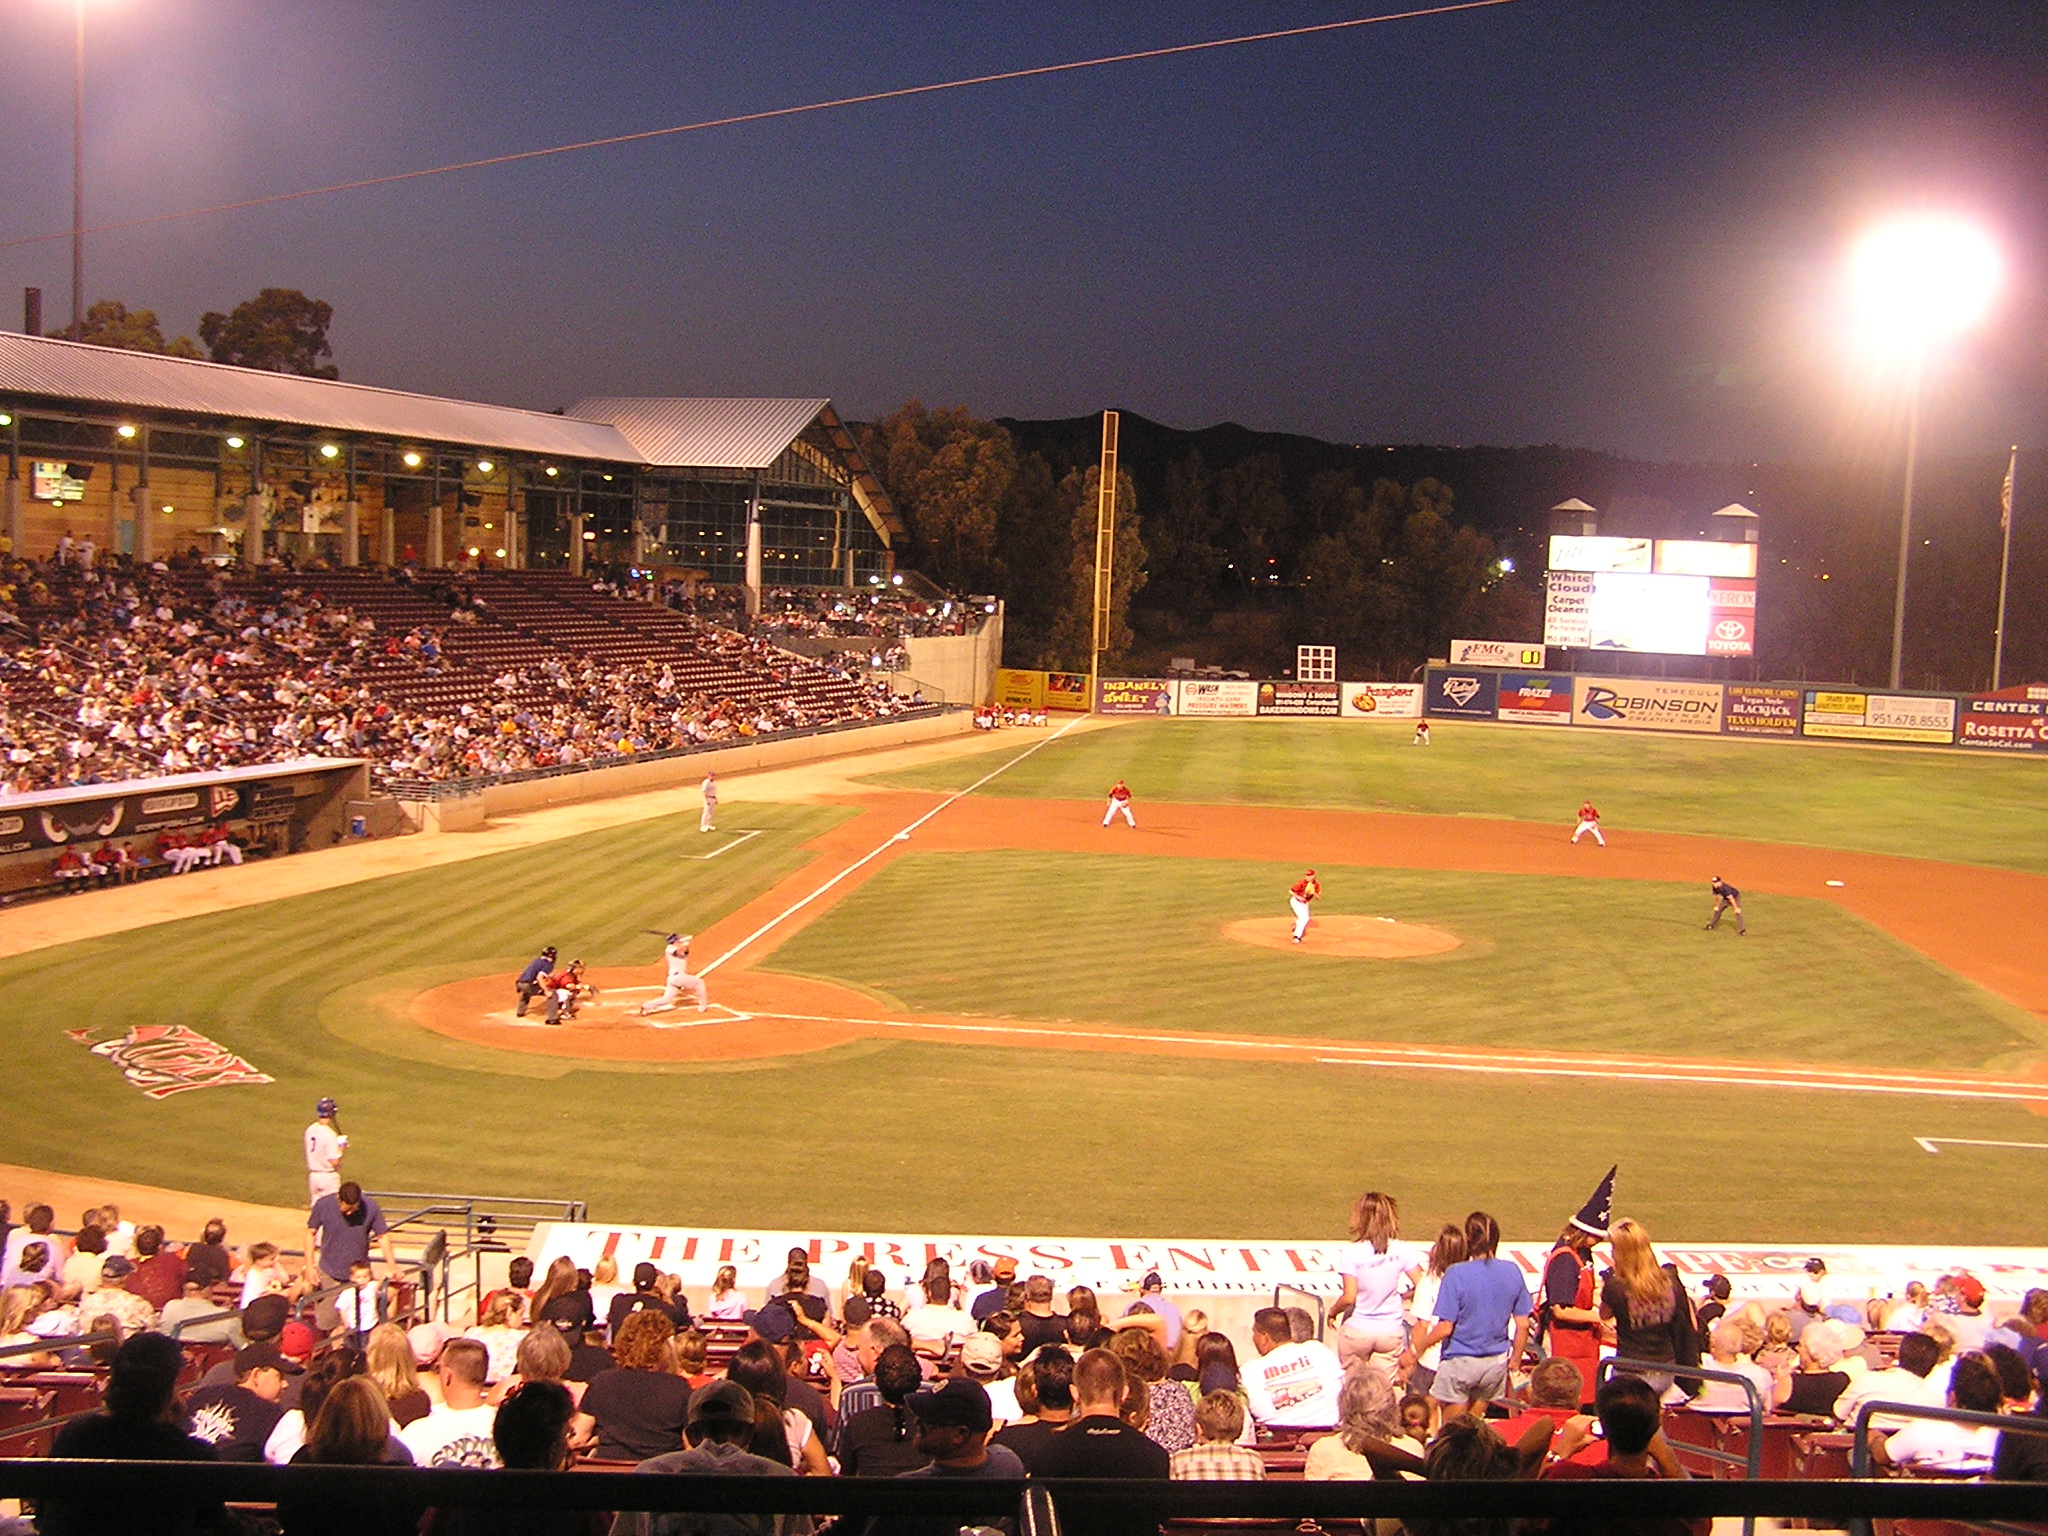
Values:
[(679, 980)]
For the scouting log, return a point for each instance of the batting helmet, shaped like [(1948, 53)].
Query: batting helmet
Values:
[(326, 1108), (673, 937)]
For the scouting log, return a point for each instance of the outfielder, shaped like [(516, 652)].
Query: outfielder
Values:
[(1304, 891), (1589, 821), (679, 979), (1726, 899), (708, 821), (1120, 803), (324, 1147)]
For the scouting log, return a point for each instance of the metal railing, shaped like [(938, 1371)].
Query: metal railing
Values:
[(1322, 1307), (1751, 1461), (1040, 1505), (2004, 1423), (489, 1224)]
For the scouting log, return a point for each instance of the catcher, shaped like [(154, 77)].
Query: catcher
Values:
[(566, 992)]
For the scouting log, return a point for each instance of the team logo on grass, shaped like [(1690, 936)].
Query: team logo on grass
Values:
[(163, 1059)]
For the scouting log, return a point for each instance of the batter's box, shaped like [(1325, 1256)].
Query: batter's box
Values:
[(686, 1016)]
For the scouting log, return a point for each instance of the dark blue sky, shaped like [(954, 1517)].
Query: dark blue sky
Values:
[(1612, 225)]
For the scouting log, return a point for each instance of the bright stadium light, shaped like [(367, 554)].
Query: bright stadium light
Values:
[(125, 430), (1918, 279), (412, 460), (329, 451), (235, 443)]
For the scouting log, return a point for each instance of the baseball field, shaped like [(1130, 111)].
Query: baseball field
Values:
[(1013, 1019)]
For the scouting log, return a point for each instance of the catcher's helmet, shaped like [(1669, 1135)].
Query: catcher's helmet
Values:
[(325, 1108)]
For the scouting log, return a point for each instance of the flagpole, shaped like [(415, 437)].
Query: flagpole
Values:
[(2004, 568)]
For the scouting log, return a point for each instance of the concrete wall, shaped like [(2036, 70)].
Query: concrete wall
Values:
[(468, 812), (961, 669)]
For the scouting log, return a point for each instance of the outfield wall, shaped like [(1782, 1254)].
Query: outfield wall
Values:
[(463, 813), (2010, 720)]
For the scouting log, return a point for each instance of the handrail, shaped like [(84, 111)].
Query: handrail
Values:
[(1322, 1308), (1859, 1453), (209, 1482), (69, 1341), (1751, 1461)]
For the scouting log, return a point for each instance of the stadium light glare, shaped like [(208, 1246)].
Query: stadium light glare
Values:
[(410, 459), (552, 471), (1921, 276), (484, 466), (329, 451), (6, 420), (126, 429), (236, 443)]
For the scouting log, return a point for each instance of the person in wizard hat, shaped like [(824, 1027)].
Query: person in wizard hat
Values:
[(1570, 1309)]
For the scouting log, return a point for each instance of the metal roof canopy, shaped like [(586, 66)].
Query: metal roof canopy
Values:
[(71, 794), (69, 370)]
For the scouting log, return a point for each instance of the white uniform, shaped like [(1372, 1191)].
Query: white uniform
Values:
[(678, 981), (1120, 805), (324, 1146), (704, 822)]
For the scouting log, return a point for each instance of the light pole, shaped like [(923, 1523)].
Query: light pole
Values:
[(1920, 279), (78, 178)]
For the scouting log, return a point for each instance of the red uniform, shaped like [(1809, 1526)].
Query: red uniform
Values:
[(1120, 805)]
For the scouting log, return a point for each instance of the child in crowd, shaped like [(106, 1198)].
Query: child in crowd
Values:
[(360, 1305), (728, 1303), (264, 1274), (1216, 1456)]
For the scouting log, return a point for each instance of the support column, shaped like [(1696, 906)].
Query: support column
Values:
[(434, 519), (111, 545), (849, 568), (145, 547), (11, 513), (252, 528), (575, 543), (351, 533), (753, 583), (387, 535)]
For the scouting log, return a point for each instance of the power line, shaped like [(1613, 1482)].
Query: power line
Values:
[(865, 99)]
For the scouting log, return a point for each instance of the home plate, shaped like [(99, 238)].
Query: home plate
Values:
[(690, 1018), (1837, 882)]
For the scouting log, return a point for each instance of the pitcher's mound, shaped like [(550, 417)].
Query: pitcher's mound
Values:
[(1358, 938)]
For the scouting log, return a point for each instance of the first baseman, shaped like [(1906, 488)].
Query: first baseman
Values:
[(1589, 821), (1726, 899), (707, 821), (1303, 891), (679, 980), (1120, 803)]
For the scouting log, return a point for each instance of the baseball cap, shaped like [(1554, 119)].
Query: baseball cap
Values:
[(255, 1357), (426, 1340), (774, 1322), (297, 1341), (265, 1317), (960, 1402), (982, 1355), (723, 1402), (116, 1268), (1815, 1267), (1968, 1286), (1005, 1269), (325, 1107)]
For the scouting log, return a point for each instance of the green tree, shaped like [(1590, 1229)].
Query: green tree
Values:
[(110, 323), (1347, 596), (280, 329), (951, 476), (1252, 516), (1186, 566), (1073, 631)]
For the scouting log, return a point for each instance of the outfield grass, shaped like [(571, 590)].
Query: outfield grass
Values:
[(1968, 808), (1582, 965)]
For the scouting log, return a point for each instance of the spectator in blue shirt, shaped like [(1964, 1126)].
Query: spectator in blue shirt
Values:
[(1482, 1312), (531, 980)]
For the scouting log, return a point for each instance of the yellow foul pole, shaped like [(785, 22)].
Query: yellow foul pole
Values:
[(1105, 552)]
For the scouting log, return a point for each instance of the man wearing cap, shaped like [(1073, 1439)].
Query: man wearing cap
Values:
[(112, 1298), (235, 1419), (182, 1314), (679, 980), (1003, 1275), (324, 1147), (1151, 1294), (644, 1295), (530, 982), (719, 1428), (952, 1428), (1958, 1306)]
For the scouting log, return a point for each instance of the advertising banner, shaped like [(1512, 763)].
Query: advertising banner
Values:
[(1880, 717), (1536, 698), (1380, 701), (1646, 704), (1133, 696), (1235, 1266), (1018, 689), (138, 815), (2010, 720), (1067, 690), (1699, 557), (1731, 616), (1462, 695), (1283, 698), (1592, 552), (1495, 653), (1218, 696), (1756, 710), (1568, 609)]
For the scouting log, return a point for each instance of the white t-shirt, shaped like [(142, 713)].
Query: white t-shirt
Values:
[(1423, 1305), (1378, 1278), (1725, 1396), (1947, 1447), (935, 1322), (440, 1431), (1295, 1387), (1896, 1385), (1002, 1400)]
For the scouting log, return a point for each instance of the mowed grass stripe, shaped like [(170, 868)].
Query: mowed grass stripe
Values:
[(1964, 808), (1579, 965)]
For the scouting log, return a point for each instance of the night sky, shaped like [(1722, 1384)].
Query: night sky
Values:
[(1617, 226)]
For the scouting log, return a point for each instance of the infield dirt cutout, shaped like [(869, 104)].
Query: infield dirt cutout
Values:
[(1345, 934)]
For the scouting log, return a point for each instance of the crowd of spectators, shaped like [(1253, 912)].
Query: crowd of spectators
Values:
[(111, 671), (994, 1374), (878, 613)]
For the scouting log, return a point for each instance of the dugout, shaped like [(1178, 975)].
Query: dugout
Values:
[(272, 807), (151, 455)]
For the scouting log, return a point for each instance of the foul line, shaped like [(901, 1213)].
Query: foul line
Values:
[(728, 848), (883, 847), (1934, 1144), (1422, 1059)]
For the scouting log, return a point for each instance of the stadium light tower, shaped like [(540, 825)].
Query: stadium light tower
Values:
[(1919, 279)]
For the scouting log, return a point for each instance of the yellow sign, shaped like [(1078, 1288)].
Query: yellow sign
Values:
[(1019, 689)]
